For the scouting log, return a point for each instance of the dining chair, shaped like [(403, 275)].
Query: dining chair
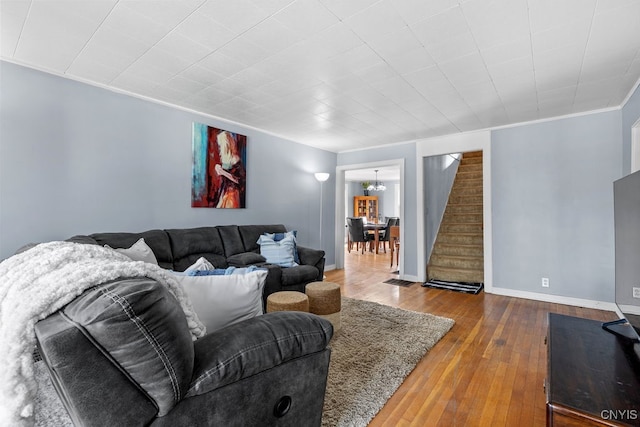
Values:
[(384, 235), (357, 233)]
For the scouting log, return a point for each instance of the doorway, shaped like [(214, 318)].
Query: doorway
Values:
[(343, 210), (459, 143)]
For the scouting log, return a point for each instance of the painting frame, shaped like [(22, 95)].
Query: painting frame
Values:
[(219, 159)]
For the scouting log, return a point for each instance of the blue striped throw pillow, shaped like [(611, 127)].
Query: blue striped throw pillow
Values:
[(279, 236), (279, 253)]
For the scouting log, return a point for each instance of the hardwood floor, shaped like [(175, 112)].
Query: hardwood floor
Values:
[(487, 371)]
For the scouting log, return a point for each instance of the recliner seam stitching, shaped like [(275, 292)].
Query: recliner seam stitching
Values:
[(144, 330)]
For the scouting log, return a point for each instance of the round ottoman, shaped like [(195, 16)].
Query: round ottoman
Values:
[(325, 301), (287, 301)]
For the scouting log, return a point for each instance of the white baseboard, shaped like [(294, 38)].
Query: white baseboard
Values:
[(557, 299), (329, 267)]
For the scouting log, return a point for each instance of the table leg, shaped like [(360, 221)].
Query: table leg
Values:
[(376, 238), (391, 245)]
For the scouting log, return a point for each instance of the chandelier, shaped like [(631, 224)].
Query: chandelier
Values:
[(378, 186)]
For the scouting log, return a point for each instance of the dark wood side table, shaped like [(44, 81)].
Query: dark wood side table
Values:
[(593, 377)]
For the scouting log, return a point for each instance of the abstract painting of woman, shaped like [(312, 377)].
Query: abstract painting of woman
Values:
[(219, 168)]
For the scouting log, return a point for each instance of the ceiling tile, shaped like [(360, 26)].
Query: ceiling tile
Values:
[(205, 31), (135, 25), (237, 15), (508, 51), (169, 15), (13, 15), (272, 36), (452, 47), (381, 18), (496, 22), (306, 17), (344, 9), (413, 11), (546, 14)]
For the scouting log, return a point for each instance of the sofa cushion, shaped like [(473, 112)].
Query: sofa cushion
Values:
[(142, 328), (158, 241), (251, 233), (248, 348), (299, 274), (231, 239), (190, 244), (244, 259)]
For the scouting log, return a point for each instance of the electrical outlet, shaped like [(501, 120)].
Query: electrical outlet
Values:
[(636, 292), (545, 282)]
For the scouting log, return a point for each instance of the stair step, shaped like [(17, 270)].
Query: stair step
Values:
[(456, 261), (470, 154), (462, 218), (455, 275), (471, 161), (462, 191), (465, 199), (460, 238), (470, 167), (468, 182), (464, 208), (458, 249), (468, 228)]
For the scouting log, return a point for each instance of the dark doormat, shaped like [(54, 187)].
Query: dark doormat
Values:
[(467, 288), (399, 282)]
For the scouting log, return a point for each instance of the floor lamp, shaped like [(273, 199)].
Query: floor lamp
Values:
[(321, 177)]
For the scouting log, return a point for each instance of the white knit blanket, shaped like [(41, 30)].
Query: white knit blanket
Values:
[(40, 281)]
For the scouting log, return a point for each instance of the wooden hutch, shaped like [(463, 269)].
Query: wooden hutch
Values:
[(366, 206)]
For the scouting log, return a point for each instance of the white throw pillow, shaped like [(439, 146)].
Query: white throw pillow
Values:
[(202, 264), (139, 251), (220, 301)]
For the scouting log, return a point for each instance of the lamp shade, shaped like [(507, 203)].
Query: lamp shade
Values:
[(322, 176)]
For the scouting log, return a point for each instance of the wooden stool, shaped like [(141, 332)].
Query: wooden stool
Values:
[(287, 301), (325, 301)]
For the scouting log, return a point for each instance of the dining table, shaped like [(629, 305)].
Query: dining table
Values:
[(394, 243), (375, 227)]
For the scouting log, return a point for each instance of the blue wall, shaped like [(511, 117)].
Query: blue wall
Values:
[(76, 159), (552, 191), (439, 174), (630, 115)]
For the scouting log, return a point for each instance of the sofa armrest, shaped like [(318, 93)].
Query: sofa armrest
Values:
[(314, 257), (256, 345)]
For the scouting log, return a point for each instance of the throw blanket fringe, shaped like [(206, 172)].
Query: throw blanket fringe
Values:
[(39, 282)]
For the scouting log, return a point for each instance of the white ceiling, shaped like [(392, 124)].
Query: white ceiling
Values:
[(340, 74), (385, 174)]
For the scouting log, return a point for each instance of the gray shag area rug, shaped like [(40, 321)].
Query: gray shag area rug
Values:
[(374, 351)]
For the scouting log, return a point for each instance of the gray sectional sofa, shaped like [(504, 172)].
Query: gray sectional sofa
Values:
[(121, 353), (223, 246)]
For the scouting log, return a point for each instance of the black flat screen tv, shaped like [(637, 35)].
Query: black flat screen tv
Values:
[(626, 196)]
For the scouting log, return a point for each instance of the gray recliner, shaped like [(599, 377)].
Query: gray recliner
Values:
[(122, 354)]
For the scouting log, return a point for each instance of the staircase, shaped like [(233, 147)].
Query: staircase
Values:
[(458, 254)]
